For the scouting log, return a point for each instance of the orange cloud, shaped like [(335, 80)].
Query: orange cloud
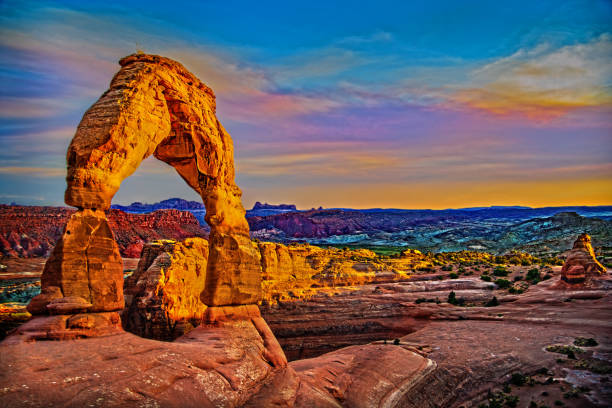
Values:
[(543, 84)]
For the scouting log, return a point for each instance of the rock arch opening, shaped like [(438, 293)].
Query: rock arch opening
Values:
[(154, 106)]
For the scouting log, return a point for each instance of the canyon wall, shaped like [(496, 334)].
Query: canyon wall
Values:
[(31, 231)]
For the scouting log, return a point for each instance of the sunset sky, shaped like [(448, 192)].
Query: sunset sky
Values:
[(361, 104)]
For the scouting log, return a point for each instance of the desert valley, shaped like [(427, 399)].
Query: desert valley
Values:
[(159, 306)]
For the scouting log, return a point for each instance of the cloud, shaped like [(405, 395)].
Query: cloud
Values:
[(33, 171), (375, 37), (543, 83)]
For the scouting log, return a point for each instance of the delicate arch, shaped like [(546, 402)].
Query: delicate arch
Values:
[(153, 106)]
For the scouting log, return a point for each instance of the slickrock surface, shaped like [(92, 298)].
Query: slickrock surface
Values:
[(232, 360), (581, 263), (31, 231), (374, 375)]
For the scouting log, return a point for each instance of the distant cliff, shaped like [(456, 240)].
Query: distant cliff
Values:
[(30, 231), (171, 203)]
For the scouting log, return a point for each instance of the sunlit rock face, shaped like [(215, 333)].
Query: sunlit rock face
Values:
[(86, 263), (581, 262), (162, 296), (153, 106)]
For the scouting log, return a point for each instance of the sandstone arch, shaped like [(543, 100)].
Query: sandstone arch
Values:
[(153, 106)]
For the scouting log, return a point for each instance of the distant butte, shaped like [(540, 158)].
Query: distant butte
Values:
[(581, 263)]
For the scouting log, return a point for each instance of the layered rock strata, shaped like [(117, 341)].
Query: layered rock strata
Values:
[(33, 231), (581, 263)]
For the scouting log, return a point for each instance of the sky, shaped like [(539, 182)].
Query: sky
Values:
[(438, 104)]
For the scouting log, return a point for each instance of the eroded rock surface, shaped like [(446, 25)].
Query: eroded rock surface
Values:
[(581, 263), (153, 106), (231, 360), (86, 264), (162, 296)]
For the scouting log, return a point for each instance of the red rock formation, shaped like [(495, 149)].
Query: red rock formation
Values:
[(224, 363), (162, 295), (581, 263), (154, 106), (31, 231)]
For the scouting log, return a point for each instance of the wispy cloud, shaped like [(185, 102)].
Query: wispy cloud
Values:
[(33, 171), (543, 83)]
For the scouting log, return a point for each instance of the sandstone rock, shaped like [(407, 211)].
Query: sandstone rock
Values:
[(64, 327), (250, 316), (154, 106), (86, 263), (68, 305), (38, 304), (581, 262), (363, 376), (225, 363), (162, 295)]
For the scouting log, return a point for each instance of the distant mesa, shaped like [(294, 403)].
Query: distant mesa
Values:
[(171, 203), (266, 206)]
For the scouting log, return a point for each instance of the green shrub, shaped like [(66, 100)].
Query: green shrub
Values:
[(585, 342), (492, 303), (420, 300), (452, 299), (569, 351), (518, 379), (533, 275), (500, 271), (453, 275), (396, 342), (503, 283), (485, 278)]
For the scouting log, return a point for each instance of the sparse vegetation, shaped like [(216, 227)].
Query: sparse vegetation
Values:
[(585, 342), (500, 400), (518, 379), (493, 302), (569, 351), (533, 275), (453, 300), (485, 278), (501, 271), (503, 283)]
